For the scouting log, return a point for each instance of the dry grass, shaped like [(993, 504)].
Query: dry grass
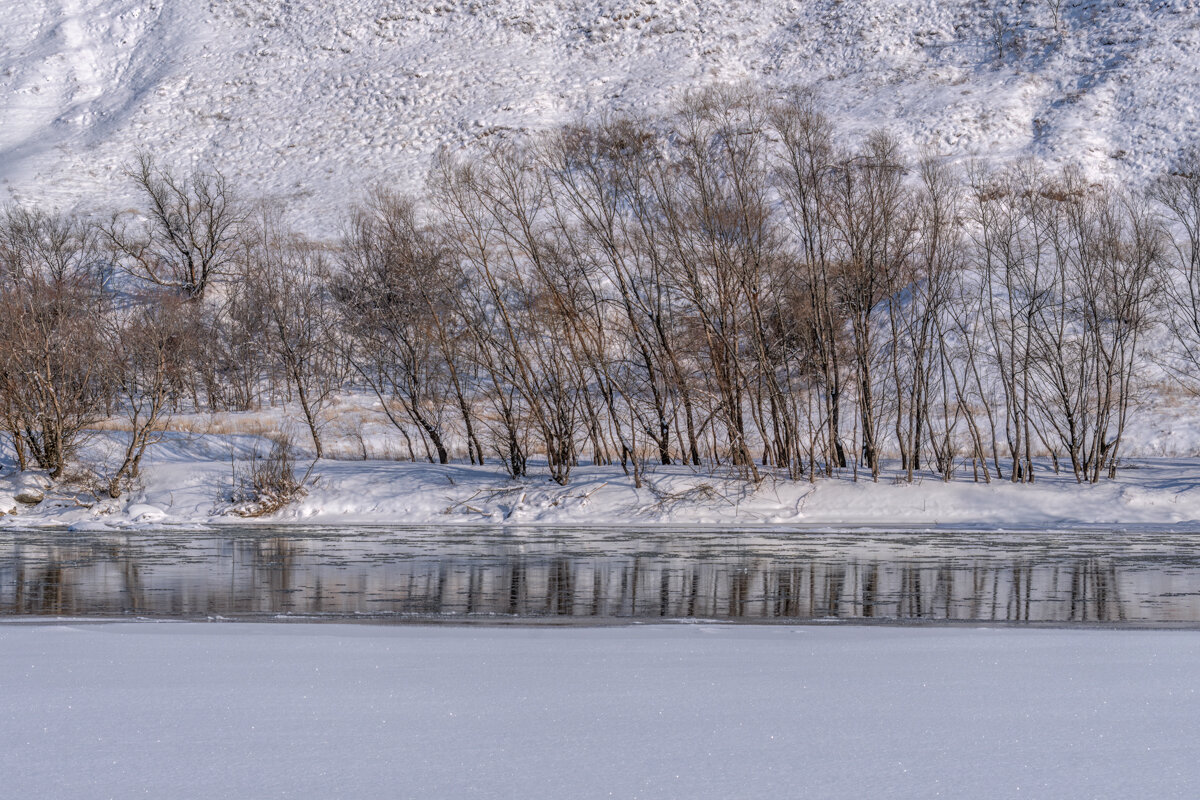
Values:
[(247, 423), (353, 428)]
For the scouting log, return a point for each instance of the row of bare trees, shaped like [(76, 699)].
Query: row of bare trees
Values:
[(732, 286)]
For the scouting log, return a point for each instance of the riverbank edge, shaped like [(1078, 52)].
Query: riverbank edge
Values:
[(188, 485)]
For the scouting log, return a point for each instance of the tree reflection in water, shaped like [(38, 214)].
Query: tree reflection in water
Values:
[(482, 575)]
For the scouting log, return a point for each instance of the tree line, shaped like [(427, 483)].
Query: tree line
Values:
[(734, 285)]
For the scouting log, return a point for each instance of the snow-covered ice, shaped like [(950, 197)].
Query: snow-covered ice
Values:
[(199, 710)]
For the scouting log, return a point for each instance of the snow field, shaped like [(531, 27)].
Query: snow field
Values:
[(697, 711)]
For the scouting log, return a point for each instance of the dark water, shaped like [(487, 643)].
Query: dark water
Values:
[(582, 576)]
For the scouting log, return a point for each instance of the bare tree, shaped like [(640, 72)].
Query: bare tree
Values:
[(1015, 267), (725, 285), (146, 354), (470, 236), (874, 221), (804, 172), (53, 384), (712, 206), (187, 236), (1108, 249), (1177, 195), (920, 362), (393, 291), (286, 279), (601, 296)]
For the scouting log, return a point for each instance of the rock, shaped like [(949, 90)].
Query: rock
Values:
[(8, 504), (30, 487), (30, 495)]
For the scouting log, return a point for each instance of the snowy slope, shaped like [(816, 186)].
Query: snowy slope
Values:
[(308, 101)]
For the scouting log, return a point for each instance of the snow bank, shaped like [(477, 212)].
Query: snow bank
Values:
[(187, 478), (700, 711)]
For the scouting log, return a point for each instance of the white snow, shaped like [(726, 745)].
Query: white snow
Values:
[(693, 711), (310, 102), (186, 480)]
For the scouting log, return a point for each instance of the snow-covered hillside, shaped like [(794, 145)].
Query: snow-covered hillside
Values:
[(310, 101)]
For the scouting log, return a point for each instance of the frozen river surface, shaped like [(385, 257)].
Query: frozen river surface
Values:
[(502, 575), (194, 710), (1096, 706)]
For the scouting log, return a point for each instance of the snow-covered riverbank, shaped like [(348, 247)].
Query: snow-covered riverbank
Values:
[(187, 479), (698, 711)]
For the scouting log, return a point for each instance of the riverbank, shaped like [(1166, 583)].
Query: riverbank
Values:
[(689, 711), (187, 479)]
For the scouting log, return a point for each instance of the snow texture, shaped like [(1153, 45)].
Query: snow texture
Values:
[(187, 479), (309, 102), (698, 711)]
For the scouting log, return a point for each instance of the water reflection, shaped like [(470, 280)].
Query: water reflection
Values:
[(1117, 578)]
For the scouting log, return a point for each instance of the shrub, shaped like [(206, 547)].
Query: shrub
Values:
[(267, 484)]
